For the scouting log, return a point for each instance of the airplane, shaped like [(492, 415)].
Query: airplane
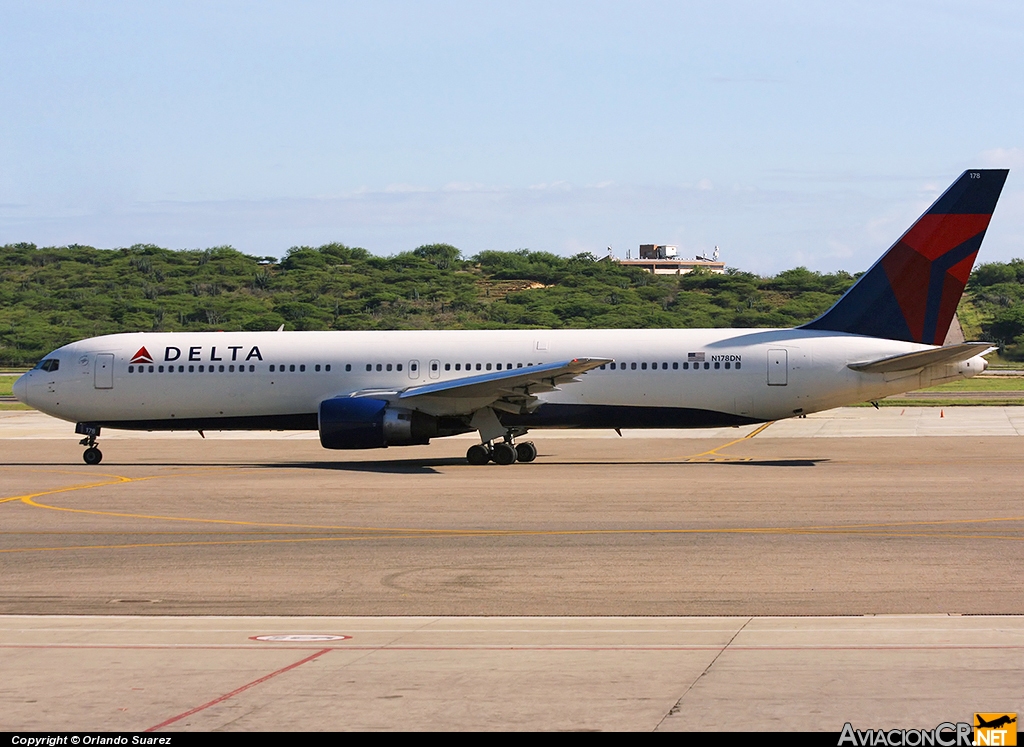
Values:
[(364, 390), (995, 723)]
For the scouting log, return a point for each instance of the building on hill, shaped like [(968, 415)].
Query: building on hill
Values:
[(662, 259)]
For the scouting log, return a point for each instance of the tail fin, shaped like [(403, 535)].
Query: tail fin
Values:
[(912, 292)]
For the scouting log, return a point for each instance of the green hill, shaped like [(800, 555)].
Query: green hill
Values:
[(54, 295)]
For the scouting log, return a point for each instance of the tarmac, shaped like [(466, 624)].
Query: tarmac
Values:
[(859, 565)]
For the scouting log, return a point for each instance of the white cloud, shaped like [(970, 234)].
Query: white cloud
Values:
[(1003, 158), (760, 230)]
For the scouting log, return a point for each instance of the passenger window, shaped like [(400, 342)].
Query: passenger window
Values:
[(717, 365), (498, 366), (191, 369), (389, 367), (707, 366), (348, 366), (633, 366), (727, 365), (643, 366), (380, 367), (291, 368), (369, 367), (317, 367), (603, 365), (221, 368), (447, 366), (685, 365), (328, 367), (231, 369), (151, 369), (737, 365), (488, 366), (302, 367), (160, 369), (519, 365), (414, 367), (477, 366), (458, 366), (271, 368), (675, 365), (131, 369), (433, 366), (201, 369), (664, 366)]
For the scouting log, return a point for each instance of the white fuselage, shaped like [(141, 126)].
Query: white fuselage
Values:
[(754, 374)]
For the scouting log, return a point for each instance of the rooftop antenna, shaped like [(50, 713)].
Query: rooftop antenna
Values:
[(715, 255)]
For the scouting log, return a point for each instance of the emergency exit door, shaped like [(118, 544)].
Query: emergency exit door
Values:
[(104, 375), (778, 367)]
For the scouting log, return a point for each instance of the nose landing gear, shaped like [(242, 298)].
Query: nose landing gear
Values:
[(92, 455)]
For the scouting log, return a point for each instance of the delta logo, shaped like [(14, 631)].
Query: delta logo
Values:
[(995, 729), (142, 356)]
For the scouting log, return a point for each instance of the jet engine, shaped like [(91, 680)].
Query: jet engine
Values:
[(365, 423)]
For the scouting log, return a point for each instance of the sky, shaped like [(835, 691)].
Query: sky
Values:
[(800, 133)]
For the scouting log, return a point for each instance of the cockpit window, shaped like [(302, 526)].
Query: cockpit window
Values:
[(50, 364)]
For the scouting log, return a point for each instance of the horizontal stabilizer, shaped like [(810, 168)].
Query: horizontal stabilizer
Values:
[(922, 358)]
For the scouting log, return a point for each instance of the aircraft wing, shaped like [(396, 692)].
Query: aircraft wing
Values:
[(513, 390), (515, 387), (922, 358)]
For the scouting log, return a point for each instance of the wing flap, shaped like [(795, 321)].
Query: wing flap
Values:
[(923, 358)]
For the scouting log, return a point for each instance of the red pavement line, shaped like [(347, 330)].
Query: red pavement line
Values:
[(242, 689), (515, 647)]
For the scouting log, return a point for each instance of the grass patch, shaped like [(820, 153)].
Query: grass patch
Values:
[(14, 406), (982, 384), (6, 384), (951, 402)]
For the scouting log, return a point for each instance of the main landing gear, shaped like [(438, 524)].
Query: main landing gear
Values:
[(503, 452)]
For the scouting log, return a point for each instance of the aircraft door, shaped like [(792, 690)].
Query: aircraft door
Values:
[(104, 372), (414, 369), (435, 369), (778, 367)]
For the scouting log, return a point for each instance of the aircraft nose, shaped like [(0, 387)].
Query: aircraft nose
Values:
[(20, 388)]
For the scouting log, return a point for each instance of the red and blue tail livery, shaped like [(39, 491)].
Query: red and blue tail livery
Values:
[(912, 292)]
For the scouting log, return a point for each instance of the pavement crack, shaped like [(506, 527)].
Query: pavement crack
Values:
[(679, 703)]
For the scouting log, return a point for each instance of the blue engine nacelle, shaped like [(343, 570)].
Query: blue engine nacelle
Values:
[(364, 423)]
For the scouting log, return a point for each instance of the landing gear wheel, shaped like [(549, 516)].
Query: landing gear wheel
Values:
[(478, 454), (503, 453), (92, 456), (526, 451)]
